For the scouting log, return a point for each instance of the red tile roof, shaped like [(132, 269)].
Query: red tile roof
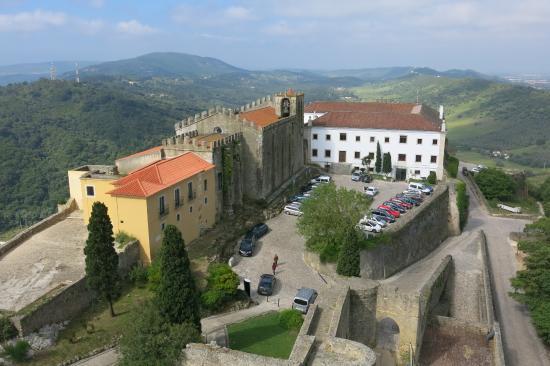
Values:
[(261, 117), (159, 175), (387, 116), (141, 153)]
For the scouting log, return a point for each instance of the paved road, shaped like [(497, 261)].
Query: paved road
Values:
[(521, 344)]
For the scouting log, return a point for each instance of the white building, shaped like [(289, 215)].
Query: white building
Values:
[(340, 134)]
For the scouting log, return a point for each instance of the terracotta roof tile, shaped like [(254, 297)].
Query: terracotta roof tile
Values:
[(392, 116), (261, 117), (159, 175)]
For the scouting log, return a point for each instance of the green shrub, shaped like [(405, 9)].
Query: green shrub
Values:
[(432, 178), (462, 202), (546, 208), (18, 351), (7, 330), (138, 275), (349, 256), (290, 319), (153, 275), (495, 184), (212, 299), (123, 238), (451, 165)]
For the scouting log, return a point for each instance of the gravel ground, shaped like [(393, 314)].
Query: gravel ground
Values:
[(42, 262)]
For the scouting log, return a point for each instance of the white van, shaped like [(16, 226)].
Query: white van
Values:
[(419, 187), (321, 179), (292, 210)]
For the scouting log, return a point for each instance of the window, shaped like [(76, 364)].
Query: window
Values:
[(357, 155), (343, 137), (372, 139), (177, 201), (220, 181), (402, 139), (401, 157), (418, 158), (162, 226), (434, 142), (90, 191), (371, 155), (205, 200), (419, 141), (205, 185), (190, 209), (315, 136), (417, 172), (162, 205), (327, 153), (190, 190), (178, 217), (433, 159), (386, 139), (314, 152), (357, 138), (327, 137)]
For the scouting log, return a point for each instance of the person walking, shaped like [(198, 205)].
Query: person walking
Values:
[(276, 259), (274, 267)]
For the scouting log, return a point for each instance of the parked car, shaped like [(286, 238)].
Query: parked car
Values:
[(402, 202), (297, 198), (321, 179), (395, 206), (419, 187), (356, 176), (382, 220), (464, 171), (259, 230), (247, 245), (303, 299), (370, 191), (384, 214), (367, 178), (266, 285), (390, 210), (410, 200), (292, 210), (369, 226), (415, 194)]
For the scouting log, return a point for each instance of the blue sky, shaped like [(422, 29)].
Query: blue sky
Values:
[(486, 35)]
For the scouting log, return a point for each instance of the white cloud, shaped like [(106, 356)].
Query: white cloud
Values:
[(31, 21), (209, 16), (134, 28), (239, 13)]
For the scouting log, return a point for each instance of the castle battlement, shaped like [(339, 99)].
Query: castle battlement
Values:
[(194, 142)]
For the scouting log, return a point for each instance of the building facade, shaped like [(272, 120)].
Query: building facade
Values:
[(180, 191), (340, 134)]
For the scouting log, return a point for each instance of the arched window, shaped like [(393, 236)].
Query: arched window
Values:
[(285, 107), (217, 130)]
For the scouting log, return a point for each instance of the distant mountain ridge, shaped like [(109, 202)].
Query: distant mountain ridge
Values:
[(396, 72), (18, 73)]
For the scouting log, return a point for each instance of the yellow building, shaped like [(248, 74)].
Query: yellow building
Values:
[(180, 191)]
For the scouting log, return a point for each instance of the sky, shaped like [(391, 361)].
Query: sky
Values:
[(492, 36)]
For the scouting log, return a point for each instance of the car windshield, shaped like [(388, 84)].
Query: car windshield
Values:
[(249, 235), (300, 302), (266, 281), (246, 244)]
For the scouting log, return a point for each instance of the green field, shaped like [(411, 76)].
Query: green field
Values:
[(262, 335)]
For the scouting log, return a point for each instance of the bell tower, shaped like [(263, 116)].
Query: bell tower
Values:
[(289, 104)]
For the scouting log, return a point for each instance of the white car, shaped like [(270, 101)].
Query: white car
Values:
[(419, 187), (378, 221), (370, 191), (369, 226), (321, 179), (292, 210)]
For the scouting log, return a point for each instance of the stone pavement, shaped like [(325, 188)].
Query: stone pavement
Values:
[(106, 358), (45, 260)]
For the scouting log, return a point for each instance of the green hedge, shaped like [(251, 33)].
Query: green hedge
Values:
[(451, 165), (462, 201), (290, 319)]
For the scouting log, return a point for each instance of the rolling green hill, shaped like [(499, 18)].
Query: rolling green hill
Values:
[(481, 114)]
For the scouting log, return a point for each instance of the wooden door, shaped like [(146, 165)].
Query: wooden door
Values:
[(341, 156)]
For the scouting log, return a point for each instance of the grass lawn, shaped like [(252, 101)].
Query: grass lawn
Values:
[(528, 206), (8, 234), (262, 335)]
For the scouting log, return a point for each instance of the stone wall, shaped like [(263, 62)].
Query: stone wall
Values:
[(196, 354), (340, 321), (349, 352), (413, 238), (363, 312), (127, 164), (68, 300), (64, 211)]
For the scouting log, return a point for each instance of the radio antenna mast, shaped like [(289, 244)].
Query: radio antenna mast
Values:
[(52, 72), (77, 79)]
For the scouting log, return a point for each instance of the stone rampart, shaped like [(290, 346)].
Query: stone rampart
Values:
[(196, 354), (64, 211), (340, 321), (348, 352), (411, 239), (363, 314), (67, 300)]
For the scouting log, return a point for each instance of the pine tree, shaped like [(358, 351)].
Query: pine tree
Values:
[(378, 162), (101, 257), (349, 256), (177, 295), (386, 163)]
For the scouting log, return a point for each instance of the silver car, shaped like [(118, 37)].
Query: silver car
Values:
[(303, 299)]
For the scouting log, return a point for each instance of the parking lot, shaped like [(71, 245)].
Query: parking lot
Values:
[(386, 189)]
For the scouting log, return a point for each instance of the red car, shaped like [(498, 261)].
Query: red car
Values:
[(401, 203), (390, 210)]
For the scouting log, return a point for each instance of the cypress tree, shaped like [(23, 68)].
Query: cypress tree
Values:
[(386, 163), (349, 255), (101, 257), (378, 162), (177, 295)]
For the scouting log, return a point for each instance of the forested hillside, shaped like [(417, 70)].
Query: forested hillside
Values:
[(481, 114), (48, 127)]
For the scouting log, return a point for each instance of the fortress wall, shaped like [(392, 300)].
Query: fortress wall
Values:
[(340, 321), (363, 312), (412, 240)]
